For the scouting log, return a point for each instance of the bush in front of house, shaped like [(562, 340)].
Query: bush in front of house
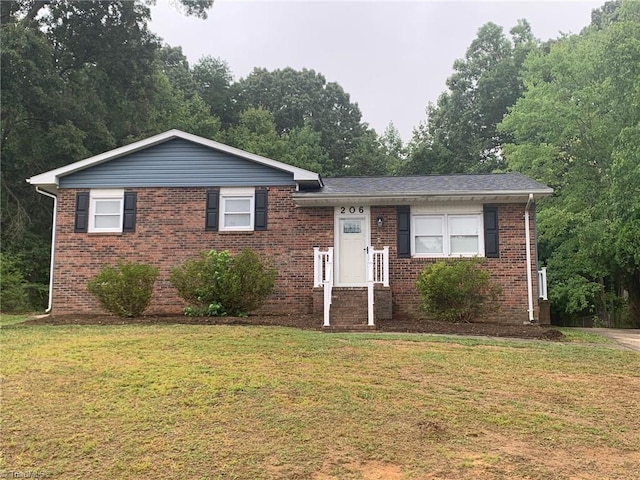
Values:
[(457, 290), (124, 289), (217, 283)]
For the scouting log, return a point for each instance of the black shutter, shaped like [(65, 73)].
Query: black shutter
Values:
[(404, 231), (82, 213), (213, 200), (129, 220), (260, 219), (491, 239)]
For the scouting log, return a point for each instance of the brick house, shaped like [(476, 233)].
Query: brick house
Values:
[(348, 247)]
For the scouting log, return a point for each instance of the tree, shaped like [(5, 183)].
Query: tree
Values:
[(175, 67), (303, 150), (213, 83), (78, 78), (256, 133), (393, 148), (575, 128), (295, 97), (460, 134), (367, 157)]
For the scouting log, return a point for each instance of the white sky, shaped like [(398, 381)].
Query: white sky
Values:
[(391, 57)]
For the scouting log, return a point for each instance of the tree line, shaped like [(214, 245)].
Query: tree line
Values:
[(81, 78)]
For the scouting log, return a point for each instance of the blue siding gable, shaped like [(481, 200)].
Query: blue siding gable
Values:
[(177, 163)]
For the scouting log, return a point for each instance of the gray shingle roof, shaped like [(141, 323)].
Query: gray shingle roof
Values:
[(503, 187), (432, 184)]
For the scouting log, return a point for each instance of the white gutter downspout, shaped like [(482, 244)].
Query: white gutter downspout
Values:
[(53, 245), (527, 236)]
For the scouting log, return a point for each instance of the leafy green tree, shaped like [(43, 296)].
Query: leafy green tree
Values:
[(393, 148), (298, 97), (13, 286), (575, 129), (78, 78), (256, 133), (625, 201), (175, 66), (370, 157), (460, 135), (303, 150), (213, 80)]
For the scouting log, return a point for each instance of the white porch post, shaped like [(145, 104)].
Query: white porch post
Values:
[(370, 280), (323, 277)]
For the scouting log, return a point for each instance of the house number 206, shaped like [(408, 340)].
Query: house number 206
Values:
[(351, 209)]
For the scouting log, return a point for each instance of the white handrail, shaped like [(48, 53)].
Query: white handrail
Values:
[(377, 272), (323, 277)]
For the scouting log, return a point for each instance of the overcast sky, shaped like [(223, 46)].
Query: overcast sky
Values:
[(391, 57)]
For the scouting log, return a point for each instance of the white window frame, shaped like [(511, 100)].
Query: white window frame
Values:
[(446, 233), (95, 197), (237, 193)]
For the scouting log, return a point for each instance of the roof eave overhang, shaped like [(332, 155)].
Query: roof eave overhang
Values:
[(326, 200)]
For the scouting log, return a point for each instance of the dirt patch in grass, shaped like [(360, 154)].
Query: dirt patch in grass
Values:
[(314, 322), (366, 471)]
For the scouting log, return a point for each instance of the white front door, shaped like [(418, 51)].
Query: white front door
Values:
[(352, 250)]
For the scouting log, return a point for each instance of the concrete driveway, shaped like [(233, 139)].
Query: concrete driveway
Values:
[(628, 338)]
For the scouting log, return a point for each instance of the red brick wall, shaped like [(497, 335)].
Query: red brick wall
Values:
[(170, 229), (509, 270)]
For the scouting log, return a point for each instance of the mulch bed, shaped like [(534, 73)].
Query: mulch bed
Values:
[(314, 322)]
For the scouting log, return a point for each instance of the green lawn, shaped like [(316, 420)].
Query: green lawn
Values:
[(13, 319), (225, 402)]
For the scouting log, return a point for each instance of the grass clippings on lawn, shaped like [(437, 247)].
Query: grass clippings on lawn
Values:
[(222, 402)]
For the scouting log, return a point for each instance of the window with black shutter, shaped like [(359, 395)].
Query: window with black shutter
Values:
[(260, 220), (491, 233), (129, 212), (213, 202), (82, 213), (404, 231)]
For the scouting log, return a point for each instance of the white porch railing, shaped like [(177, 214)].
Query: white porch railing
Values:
[(377, 272), (323, 277), (379, 266), (542, 283)]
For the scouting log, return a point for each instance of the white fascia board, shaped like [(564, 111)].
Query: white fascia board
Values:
[(319, 199), (52, 177)]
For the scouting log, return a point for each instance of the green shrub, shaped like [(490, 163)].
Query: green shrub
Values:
[(457, 290), (124, 289), (13, 286), (217, 283)]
